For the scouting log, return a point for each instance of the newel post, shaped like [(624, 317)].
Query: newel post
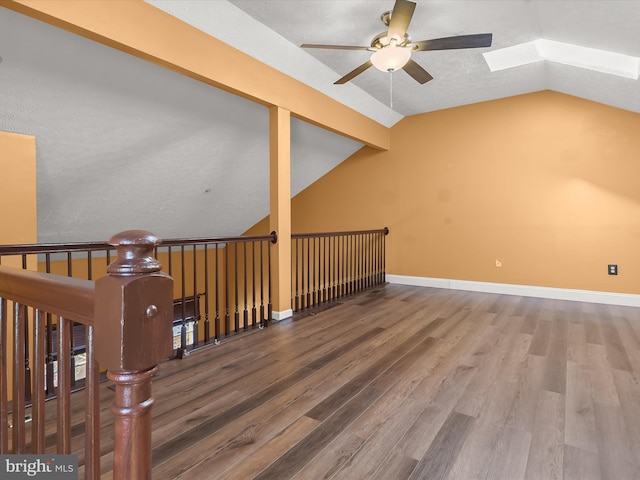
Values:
[(133, 316)]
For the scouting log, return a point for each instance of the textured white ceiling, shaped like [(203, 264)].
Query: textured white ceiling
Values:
[(461, 76), (122, 143)]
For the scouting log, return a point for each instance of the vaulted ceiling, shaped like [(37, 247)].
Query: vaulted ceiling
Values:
[(123, 143)]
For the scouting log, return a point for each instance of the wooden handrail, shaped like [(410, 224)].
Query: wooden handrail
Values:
[(70, 298), (203, 266), (384, 230), (130, 310), (38, 248)]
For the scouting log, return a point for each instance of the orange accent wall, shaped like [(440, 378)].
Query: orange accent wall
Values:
[(18, 213), (546, 183)]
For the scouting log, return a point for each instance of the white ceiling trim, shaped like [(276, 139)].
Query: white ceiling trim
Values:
[(228, 23)]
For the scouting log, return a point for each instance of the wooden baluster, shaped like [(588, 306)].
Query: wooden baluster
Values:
[(207, 327), (227, 318), (263, 245), (312, 271), (182, 351), (269, 290), (384, 253), (236, 314), (296, 266), (18, 400), (245, 312), (4, 383), (217, 319), (196, 299), (64, 386), (325, 274), (39, 393), (254, 311), (134, 311), (92, 410)]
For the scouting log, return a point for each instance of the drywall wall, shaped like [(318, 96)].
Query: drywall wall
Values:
[(18, 214), (545, 183)]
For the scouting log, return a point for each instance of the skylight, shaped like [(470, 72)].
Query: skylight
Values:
[(565, 53)]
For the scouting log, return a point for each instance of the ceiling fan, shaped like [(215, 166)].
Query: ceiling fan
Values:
[(392, 49)]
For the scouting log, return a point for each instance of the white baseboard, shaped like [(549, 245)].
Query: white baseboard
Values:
[(277, 316), (624, 299)]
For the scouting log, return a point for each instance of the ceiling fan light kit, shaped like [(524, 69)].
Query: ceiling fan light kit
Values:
[(390, 58), (392, 49)]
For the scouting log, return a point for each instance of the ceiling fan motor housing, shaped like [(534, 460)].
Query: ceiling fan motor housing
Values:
[(382, 40)]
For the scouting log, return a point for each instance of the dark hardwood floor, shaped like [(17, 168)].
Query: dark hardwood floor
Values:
[(409, 383)]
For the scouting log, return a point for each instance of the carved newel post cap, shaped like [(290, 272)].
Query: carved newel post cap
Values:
[(133, 306), (135, 253)]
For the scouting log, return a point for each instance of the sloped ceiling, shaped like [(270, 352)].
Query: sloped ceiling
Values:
[(460, 76), (122, 143)]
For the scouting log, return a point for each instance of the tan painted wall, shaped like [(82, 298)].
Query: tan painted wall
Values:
[(18, 214), (547, 183)]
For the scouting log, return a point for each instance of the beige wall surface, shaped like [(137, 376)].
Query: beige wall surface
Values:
[(546, 183)]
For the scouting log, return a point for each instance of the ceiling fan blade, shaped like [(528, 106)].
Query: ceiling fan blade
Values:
[(418, 73), (449, 43), (354, 73), (335, 47), (400, 18)]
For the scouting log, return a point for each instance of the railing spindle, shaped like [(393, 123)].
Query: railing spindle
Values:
[(384, 255), (92, 410), (217, 319), (27, 357), (227, 317), (297, 272), (89, 266), (309, 276), (37, 408), (18, 397), (50, 357), (312, 272), (262, 246), (64, 386), (183, 327), (207, 327), (324, 269), (196, 298), (245, 312), (4, 383), (254, 311), (236, 313), (269, 305)]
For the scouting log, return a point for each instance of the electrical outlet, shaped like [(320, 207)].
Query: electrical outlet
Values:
[(613, 269)]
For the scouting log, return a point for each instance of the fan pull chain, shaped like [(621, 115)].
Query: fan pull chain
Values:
[(391, 89)]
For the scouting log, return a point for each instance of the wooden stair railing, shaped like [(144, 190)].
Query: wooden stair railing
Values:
[(128, 317)]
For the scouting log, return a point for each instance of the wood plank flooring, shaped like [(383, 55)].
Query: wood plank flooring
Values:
[(409, 383)]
